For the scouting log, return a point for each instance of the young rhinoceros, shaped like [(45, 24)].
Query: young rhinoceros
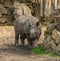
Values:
[(27, 27)]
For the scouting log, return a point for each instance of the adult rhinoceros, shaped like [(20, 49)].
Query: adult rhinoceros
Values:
[(27, 27)]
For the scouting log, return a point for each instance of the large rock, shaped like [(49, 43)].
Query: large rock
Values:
[(50, 27), (3, 20), (3, 9), (7, 3), (49, 44), (21, 9), (0, 15), (56, 36), (58, 49), (56, 16), (1, 1), (51, 40), (27, 10)]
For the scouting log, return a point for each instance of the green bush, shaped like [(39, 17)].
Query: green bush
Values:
[(39, 50)]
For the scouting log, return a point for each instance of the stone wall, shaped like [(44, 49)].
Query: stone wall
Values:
[(4, 11), (5, 15), (45, 7)]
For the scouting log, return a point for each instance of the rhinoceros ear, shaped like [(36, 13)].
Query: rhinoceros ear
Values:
[(37, 24)]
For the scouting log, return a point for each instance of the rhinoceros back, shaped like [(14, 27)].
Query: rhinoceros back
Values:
[(22, 23)]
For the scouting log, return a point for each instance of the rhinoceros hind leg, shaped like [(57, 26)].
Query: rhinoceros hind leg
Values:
[(16, 39), (22, 38)]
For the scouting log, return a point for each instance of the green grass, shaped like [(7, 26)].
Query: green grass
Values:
[(39, 50)]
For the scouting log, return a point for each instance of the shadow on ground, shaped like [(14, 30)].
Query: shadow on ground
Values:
[(19, 50)]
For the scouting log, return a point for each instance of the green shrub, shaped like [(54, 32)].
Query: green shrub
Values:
[(39, 50)]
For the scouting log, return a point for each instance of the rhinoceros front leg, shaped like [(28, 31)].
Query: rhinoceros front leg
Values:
[(16, 39), (22, 37), (30, 43)]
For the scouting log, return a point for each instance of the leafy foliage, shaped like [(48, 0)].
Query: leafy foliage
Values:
[(39, 50)]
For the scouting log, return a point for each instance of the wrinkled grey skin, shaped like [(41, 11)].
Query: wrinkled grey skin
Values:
[(27, 27)]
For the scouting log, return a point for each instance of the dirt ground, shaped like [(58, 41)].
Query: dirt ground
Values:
[(8, 52)]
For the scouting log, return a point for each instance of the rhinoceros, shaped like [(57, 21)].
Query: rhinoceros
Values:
[(28, 27)]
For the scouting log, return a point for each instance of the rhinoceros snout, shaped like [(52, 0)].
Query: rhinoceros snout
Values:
[(34, 35)]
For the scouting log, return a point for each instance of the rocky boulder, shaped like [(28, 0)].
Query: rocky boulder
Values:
[(48, 43), (7, 3), (21, 9), (58, 49), (0, 15), (56, 36), (51, 40), (56, 16), (3, 20), (3, 9)]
